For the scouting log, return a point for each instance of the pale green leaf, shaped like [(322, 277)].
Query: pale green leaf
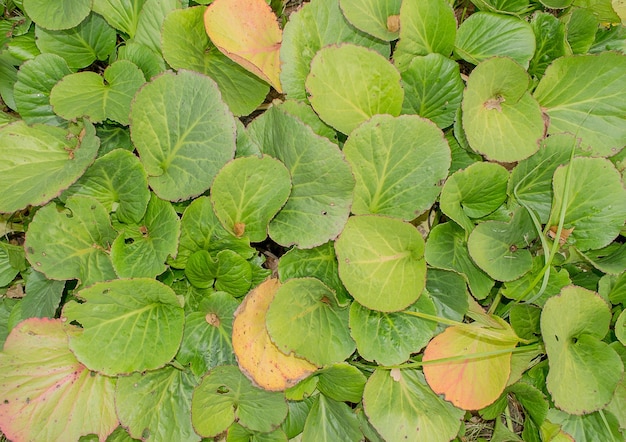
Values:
[(330, 421), (123, 15), (59, 14), (379, 18)]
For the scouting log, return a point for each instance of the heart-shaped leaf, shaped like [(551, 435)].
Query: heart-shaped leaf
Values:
[(247, 32), (381, 262), (87, 94), (257, 355), (228, 271), (573, 325)]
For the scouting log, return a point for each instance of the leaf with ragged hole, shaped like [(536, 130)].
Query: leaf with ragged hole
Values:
[(141, 249), (225, 396), (248, 192), (61, 14), (381, 262), (474, 380), (121, 14), (43, 384), (73, 243), (379, 18), (502, 121), (247, 32), (258, 357), (146, 417), (128, 325), (184, 133), (576, 352), (87, 94), (348, 84), (400, 406), (40, 161), (305, 318)]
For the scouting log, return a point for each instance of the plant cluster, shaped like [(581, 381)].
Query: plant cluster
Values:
[(425, 227)]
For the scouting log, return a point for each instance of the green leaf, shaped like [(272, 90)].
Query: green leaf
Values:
[(12, 261), (610, 259), (501, 119), (594, 197), (426, 28), (150, 62), (484, 35), (349, 84), (73, 243), (319, 262), (113, 137), (118, 180), (183, 132), (150, 22), (93, 39), (157, 405), (248, 192), (43, 384), (228, 272), (43, 296), (226, 395), (576, 352), (391, 338), (591, 427), (342, 382), (128, 325), (433, 88), (56, 15), (474, 192), (307, 115), (524, 320), (446, 249), (40, 161), (556, 281), (329, 421), (315, 212), (581, 26), (186, 45), (398, 164), (400, 406), (381, 262), (123, 15), (141, 250), (316, 25), (87, 94), (207, 335), (35, 80), (304, 318), (448, 291), (550, 41), (620, 327), (237, 433), (591, 110), (379, 18)]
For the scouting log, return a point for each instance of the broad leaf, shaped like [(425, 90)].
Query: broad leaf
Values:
[(550, 42), (581, 26), (576, 352), (591, 110), (379, 18), (43, 296), (228, 271), (73, 243), (448, 291), (247, 32), (400, 406), (150, 62), (330, 420), (381, 262), (342, 382), (99, 98), (12, 261), (121, 14), (556, 281), (148, 403), (128, 325), (248, 192), (225, 396), (349, 84), (47, 394), (398, 164), (590, 427), (40, 161), (60, 14), (258, 357), (501, 119), (150, 22), (304, 318), (184, 133)]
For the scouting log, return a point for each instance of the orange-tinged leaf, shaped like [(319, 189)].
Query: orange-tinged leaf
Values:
[(258, 357), (247, 32), (474, 382)]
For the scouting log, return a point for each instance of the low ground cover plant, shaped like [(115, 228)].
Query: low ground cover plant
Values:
[(340, 220)]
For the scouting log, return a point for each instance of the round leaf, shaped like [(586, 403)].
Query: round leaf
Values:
[(573, 325), (304, 318), (40, 161), (400, 406), (348, 84), (501, 119), (484, 34), (225, 395), (228, 271), (183, 132), (381, 262), (128, 325), (257, 355), (72, 244), (342, 382), (379, 18), (60, 14), (248, 192), (398, 163)]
